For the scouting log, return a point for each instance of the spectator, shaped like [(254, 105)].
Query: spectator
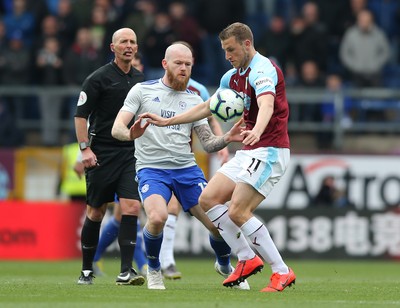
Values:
[(261, 12), (39, 9), (141, 18), (98, 28), (350, 15), (310, 77), (20, 22), (67, 23), (329, 195), (80, 60), (49, 64), (15, 67), (49, 28), (212, 21), (159, 37), (309, 38), (335, 15), (15, 62), (275, 41), (364, 51), (334, 85), (185, 27), (82, 9)]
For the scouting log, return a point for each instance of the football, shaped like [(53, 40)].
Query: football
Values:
[(227, 105)]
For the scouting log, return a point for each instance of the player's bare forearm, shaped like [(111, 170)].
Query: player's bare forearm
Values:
[(120, 128), (266, 109), (208, 140), (120, 131)]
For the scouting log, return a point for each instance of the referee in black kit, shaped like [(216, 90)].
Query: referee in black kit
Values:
[(109, 163)]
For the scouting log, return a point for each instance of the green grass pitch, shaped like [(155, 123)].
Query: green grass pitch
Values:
[(319, 284)]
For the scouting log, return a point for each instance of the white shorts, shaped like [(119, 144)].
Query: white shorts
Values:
[(261, 168)]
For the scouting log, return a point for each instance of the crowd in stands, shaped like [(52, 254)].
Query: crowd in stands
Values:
[(59, 42)]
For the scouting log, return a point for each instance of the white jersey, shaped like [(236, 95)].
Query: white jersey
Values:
[(163, 147)]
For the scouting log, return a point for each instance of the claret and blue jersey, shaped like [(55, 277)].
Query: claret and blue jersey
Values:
[(262, 77)]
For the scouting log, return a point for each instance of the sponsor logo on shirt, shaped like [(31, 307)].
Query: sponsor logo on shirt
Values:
[(263, 81)]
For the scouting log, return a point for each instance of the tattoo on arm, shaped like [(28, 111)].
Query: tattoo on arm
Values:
[(208, 140)]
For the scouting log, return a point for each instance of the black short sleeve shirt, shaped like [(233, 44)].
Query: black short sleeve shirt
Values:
[(102, 96)]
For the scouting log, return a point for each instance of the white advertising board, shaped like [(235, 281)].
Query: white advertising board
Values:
[(371, 182)]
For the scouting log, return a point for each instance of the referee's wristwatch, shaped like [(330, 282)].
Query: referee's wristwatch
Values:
[(83, 145)]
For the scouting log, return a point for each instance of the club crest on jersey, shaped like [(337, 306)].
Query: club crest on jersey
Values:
[(145, 188), (82, 98), (182, 105)]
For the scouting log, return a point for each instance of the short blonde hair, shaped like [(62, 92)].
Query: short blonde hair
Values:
[(239, 31)]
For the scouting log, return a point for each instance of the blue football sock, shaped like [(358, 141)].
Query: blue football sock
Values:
[(139, 256), (222, 251), (108, 235), (153, 247)]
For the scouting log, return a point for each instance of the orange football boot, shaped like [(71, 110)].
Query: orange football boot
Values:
[(279, 282), (244, 269)]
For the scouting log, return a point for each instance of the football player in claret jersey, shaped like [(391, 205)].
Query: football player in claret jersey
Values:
[(165, 163), (251, 174)]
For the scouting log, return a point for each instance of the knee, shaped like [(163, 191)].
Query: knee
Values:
[(206, 202), (95, 214), (156, 220), (132, 207), (235, 214)]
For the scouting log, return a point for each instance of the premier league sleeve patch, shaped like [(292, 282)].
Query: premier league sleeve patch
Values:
[(82, 98)]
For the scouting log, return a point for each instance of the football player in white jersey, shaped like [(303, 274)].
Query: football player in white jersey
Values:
[(167, 258), (165, 163)]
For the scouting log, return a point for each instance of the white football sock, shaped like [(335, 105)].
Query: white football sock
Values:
[(167, 247), (255, 230), (230, 232)]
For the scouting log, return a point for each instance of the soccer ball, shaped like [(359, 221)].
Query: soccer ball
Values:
[(227, 105)]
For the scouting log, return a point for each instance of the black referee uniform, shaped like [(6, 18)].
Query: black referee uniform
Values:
[(104, 92)]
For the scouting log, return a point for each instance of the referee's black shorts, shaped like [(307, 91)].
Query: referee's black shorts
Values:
[(115, 174)]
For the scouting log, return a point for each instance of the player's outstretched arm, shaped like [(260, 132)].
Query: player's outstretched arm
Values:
[(196, 113)]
